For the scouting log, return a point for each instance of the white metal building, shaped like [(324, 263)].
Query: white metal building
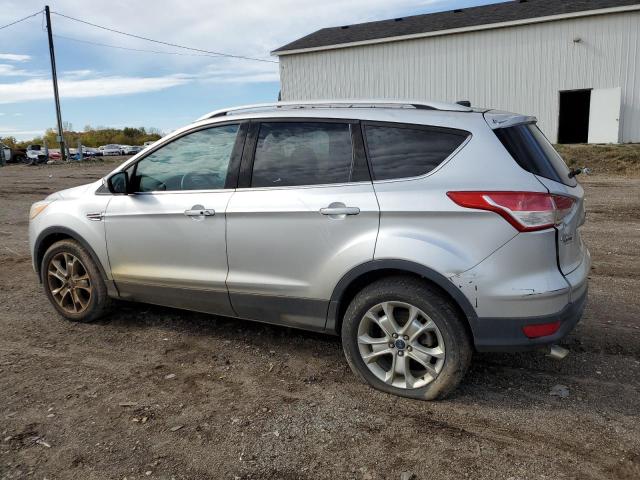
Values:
[(573, 64)]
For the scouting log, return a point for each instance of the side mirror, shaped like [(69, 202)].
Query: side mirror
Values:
[(118, 183)]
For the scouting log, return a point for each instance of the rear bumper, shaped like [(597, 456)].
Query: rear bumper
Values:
[(506, 335)]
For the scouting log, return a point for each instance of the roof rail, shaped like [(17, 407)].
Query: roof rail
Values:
[(418, 104)]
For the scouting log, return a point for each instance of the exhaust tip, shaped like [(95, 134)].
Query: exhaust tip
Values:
[(557, 352)]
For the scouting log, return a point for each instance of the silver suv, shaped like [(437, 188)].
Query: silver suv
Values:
[(416, 231)]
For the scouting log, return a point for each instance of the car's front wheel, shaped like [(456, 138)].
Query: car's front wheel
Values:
[(405, 337), (73, 283)]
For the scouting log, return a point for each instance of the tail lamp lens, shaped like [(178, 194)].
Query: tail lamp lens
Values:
[(525, 211), (541, 329)]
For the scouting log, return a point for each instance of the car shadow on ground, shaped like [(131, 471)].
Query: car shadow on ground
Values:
[(521, 380)]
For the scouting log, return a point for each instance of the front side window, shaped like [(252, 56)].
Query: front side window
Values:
[(399, 152), (302, 153), (196, 161)]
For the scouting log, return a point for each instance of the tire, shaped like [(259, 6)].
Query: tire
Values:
[(83, 294), (445, 336)]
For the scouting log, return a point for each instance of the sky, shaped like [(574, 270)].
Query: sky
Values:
[(113, 87)]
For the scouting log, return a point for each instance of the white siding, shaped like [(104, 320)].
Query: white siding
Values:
[(519, 69)]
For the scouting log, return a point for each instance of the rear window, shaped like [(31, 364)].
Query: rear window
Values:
[(532, 151), (402, 152)]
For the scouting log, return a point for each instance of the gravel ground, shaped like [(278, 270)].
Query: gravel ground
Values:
[(158, 393)]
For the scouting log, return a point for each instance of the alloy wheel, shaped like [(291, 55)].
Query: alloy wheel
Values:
[(69, 282), (401, 345)]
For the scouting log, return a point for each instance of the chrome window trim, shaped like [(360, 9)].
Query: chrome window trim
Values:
[(294, 187), (173, 192)]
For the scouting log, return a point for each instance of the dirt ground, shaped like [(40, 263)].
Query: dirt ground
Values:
[(158, 393)]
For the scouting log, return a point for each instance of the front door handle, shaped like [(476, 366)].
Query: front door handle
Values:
[(200, 212), (338, 208)]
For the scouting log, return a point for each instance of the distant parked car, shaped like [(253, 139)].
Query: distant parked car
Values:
[(5, 154), (90, 152), (112, 150), (54, 155), (130, 150), (148, 144), (36, 154), (14, 155)]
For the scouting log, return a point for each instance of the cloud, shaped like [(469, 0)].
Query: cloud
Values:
[(79, 84), (14, 57), (241, 27), (77, 73), (238, 71), (38, 89), (14, 132), (7, 70)]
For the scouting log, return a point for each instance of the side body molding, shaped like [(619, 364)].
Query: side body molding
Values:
[(401, 265), (38, 253)]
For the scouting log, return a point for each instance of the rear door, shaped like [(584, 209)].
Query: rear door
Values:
[(304, 214)]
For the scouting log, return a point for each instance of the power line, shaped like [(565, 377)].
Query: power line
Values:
[(134, 49), (120, 47), (220, 54), (21, 20)]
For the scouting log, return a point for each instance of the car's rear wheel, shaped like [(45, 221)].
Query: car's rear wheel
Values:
[(73, 283), (405, 337)]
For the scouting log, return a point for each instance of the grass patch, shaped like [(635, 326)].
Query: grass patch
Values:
[(603, 159)]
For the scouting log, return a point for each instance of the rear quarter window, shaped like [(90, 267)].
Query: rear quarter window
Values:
[(408, 151), (533, 152)]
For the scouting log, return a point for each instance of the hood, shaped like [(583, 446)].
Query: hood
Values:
[(75, 192)]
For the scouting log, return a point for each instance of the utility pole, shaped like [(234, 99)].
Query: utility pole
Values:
[(54, 77)]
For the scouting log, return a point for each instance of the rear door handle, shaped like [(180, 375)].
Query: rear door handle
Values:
[(339, 210), (200, 212)]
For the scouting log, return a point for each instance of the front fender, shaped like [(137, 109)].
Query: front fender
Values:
[(71, 218)]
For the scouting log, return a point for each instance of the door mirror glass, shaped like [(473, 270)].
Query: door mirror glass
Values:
[(118, 183)]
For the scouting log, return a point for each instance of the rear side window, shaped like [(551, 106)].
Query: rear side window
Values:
[(532, 151), (302, 153), (399, 152)]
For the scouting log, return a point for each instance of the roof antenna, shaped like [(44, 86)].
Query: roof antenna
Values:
[(464, 103)]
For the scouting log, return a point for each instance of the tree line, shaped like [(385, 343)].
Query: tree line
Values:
[(90, 137)]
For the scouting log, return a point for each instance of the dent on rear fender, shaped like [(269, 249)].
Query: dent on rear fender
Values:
[(520, 279)]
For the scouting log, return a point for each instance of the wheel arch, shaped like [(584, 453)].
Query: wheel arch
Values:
[(357, 278), (51, 235)]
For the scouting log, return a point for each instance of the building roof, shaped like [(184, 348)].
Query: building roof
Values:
[(466, 18)]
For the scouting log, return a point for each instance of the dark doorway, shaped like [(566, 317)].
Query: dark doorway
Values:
[(573, 125)]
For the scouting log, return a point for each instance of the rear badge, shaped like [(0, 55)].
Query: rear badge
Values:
[(567, 237)]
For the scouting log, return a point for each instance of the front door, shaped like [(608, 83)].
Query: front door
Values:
[(307, 217), (166, 240)]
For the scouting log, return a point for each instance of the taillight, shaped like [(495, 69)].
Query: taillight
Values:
[(526, 211), (541, 329)]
